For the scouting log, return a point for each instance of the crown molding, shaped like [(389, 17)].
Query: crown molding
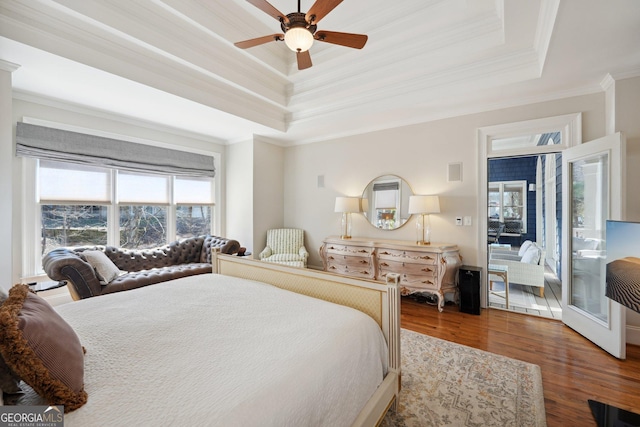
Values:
[(8, 66), (101, 114)]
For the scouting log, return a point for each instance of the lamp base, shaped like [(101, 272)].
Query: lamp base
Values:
[(345, 237), (423, 243)]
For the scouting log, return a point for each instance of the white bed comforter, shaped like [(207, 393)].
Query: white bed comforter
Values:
[(212, 350)]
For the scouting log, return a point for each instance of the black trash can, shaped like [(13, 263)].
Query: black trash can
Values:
[(469, 278)]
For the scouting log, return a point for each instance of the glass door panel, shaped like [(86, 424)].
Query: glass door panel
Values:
[(590, 196)]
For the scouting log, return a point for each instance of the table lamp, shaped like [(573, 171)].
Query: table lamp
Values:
[(423, 206)]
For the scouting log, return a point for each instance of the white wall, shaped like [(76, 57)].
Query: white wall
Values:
[(7, 236), (239, 196), (268, 191), (627, 120), (419, 154), (255, 197)]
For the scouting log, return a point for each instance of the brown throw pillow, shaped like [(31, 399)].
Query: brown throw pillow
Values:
[(38, 345), (9, 380)]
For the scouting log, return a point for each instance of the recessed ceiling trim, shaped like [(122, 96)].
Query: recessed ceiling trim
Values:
[(145, 67), (98, 27)]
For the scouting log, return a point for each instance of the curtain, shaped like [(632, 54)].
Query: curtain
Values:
[(61, 145)]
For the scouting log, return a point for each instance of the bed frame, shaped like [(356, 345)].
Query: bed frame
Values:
[(381, 301)]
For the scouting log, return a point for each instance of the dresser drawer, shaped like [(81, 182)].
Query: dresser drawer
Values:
[(411, 274), (352, 266), (407, 256), (333, 249)]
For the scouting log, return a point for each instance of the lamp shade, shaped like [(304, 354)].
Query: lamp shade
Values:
[(424, 204), (347, 204), (364, 205), (298, 39)]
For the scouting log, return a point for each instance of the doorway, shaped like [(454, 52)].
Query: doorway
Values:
[(525, 206), (529, 208)]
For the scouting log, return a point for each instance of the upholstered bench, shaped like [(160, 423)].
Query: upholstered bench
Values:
[(97, 270)]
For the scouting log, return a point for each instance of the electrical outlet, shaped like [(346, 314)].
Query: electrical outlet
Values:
[(458, 220), (467, 220)]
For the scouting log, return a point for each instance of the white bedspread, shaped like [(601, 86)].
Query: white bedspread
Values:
[(211, 350)]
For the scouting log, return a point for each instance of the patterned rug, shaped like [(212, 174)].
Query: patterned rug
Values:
[(447, 384)]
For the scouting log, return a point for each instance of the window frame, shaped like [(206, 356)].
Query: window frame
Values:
[(522, 184), (32, 218)]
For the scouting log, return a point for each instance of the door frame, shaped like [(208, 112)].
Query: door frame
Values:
[(570, 128)]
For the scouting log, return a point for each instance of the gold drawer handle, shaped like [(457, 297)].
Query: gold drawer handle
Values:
[(385, 253), (362, 251), (427, 282), (425, 257), (427, 270), (363, 261), (331, 257), (384, 264), (332, 268), (364, 272)]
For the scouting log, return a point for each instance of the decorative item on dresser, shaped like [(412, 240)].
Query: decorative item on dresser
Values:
[(430, 269), (423, 206), (347, 205)]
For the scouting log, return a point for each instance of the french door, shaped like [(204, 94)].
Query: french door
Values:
[(592, 193)]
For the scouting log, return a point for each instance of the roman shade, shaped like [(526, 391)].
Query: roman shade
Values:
[(61, 145), (386, 195)]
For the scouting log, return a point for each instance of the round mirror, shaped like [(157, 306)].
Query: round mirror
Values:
[(385, 202)]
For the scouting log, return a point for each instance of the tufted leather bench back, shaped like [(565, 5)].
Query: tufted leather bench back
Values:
[(184, 252)]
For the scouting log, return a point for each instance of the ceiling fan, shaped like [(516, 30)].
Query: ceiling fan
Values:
[(300, 30)]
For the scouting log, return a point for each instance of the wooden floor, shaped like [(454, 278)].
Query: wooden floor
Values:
[(573, 369)]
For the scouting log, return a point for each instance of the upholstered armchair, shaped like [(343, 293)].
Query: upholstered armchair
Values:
[(285, 246)]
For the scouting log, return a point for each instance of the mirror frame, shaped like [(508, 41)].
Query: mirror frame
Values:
[(388, 218)]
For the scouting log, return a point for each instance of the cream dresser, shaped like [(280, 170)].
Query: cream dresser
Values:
[(431, 269)]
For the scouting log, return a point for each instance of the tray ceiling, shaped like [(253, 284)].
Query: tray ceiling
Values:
[(172, 62)]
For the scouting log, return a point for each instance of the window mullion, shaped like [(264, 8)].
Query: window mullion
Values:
[(171, 212), (113, 234)]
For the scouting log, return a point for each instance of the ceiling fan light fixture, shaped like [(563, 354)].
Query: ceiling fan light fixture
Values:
[(298, 39)]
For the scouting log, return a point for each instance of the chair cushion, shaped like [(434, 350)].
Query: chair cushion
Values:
[(523, 248), (284, 258), (285, 240), (531, 255)]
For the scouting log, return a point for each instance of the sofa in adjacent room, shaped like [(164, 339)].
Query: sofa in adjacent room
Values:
[(97, 270), (525, 266)]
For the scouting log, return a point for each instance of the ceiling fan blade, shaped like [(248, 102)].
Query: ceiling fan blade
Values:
[(304, 60), (356, 41), (320, 9), (260, 40), (267, 8)]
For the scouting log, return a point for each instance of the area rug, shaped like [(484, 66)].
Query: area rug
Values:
[(447, 384)]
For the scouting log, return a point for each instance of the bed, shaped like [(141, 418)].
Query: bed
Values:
[(267, 354)]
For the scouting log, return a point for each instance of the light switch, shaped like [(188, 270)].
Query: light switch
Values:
[(467, 220), (458, 220)]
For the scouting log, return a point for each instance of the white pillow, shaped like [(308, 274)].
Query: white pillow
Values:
[(105, 268), (531, 255), (524, 247)]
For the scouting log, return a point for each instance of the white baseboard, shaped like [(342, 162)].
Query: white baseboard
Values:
[(633, 335)]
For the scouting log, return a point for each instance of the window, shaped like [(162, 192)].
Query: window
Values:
[(85, 205), (508, 204)]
